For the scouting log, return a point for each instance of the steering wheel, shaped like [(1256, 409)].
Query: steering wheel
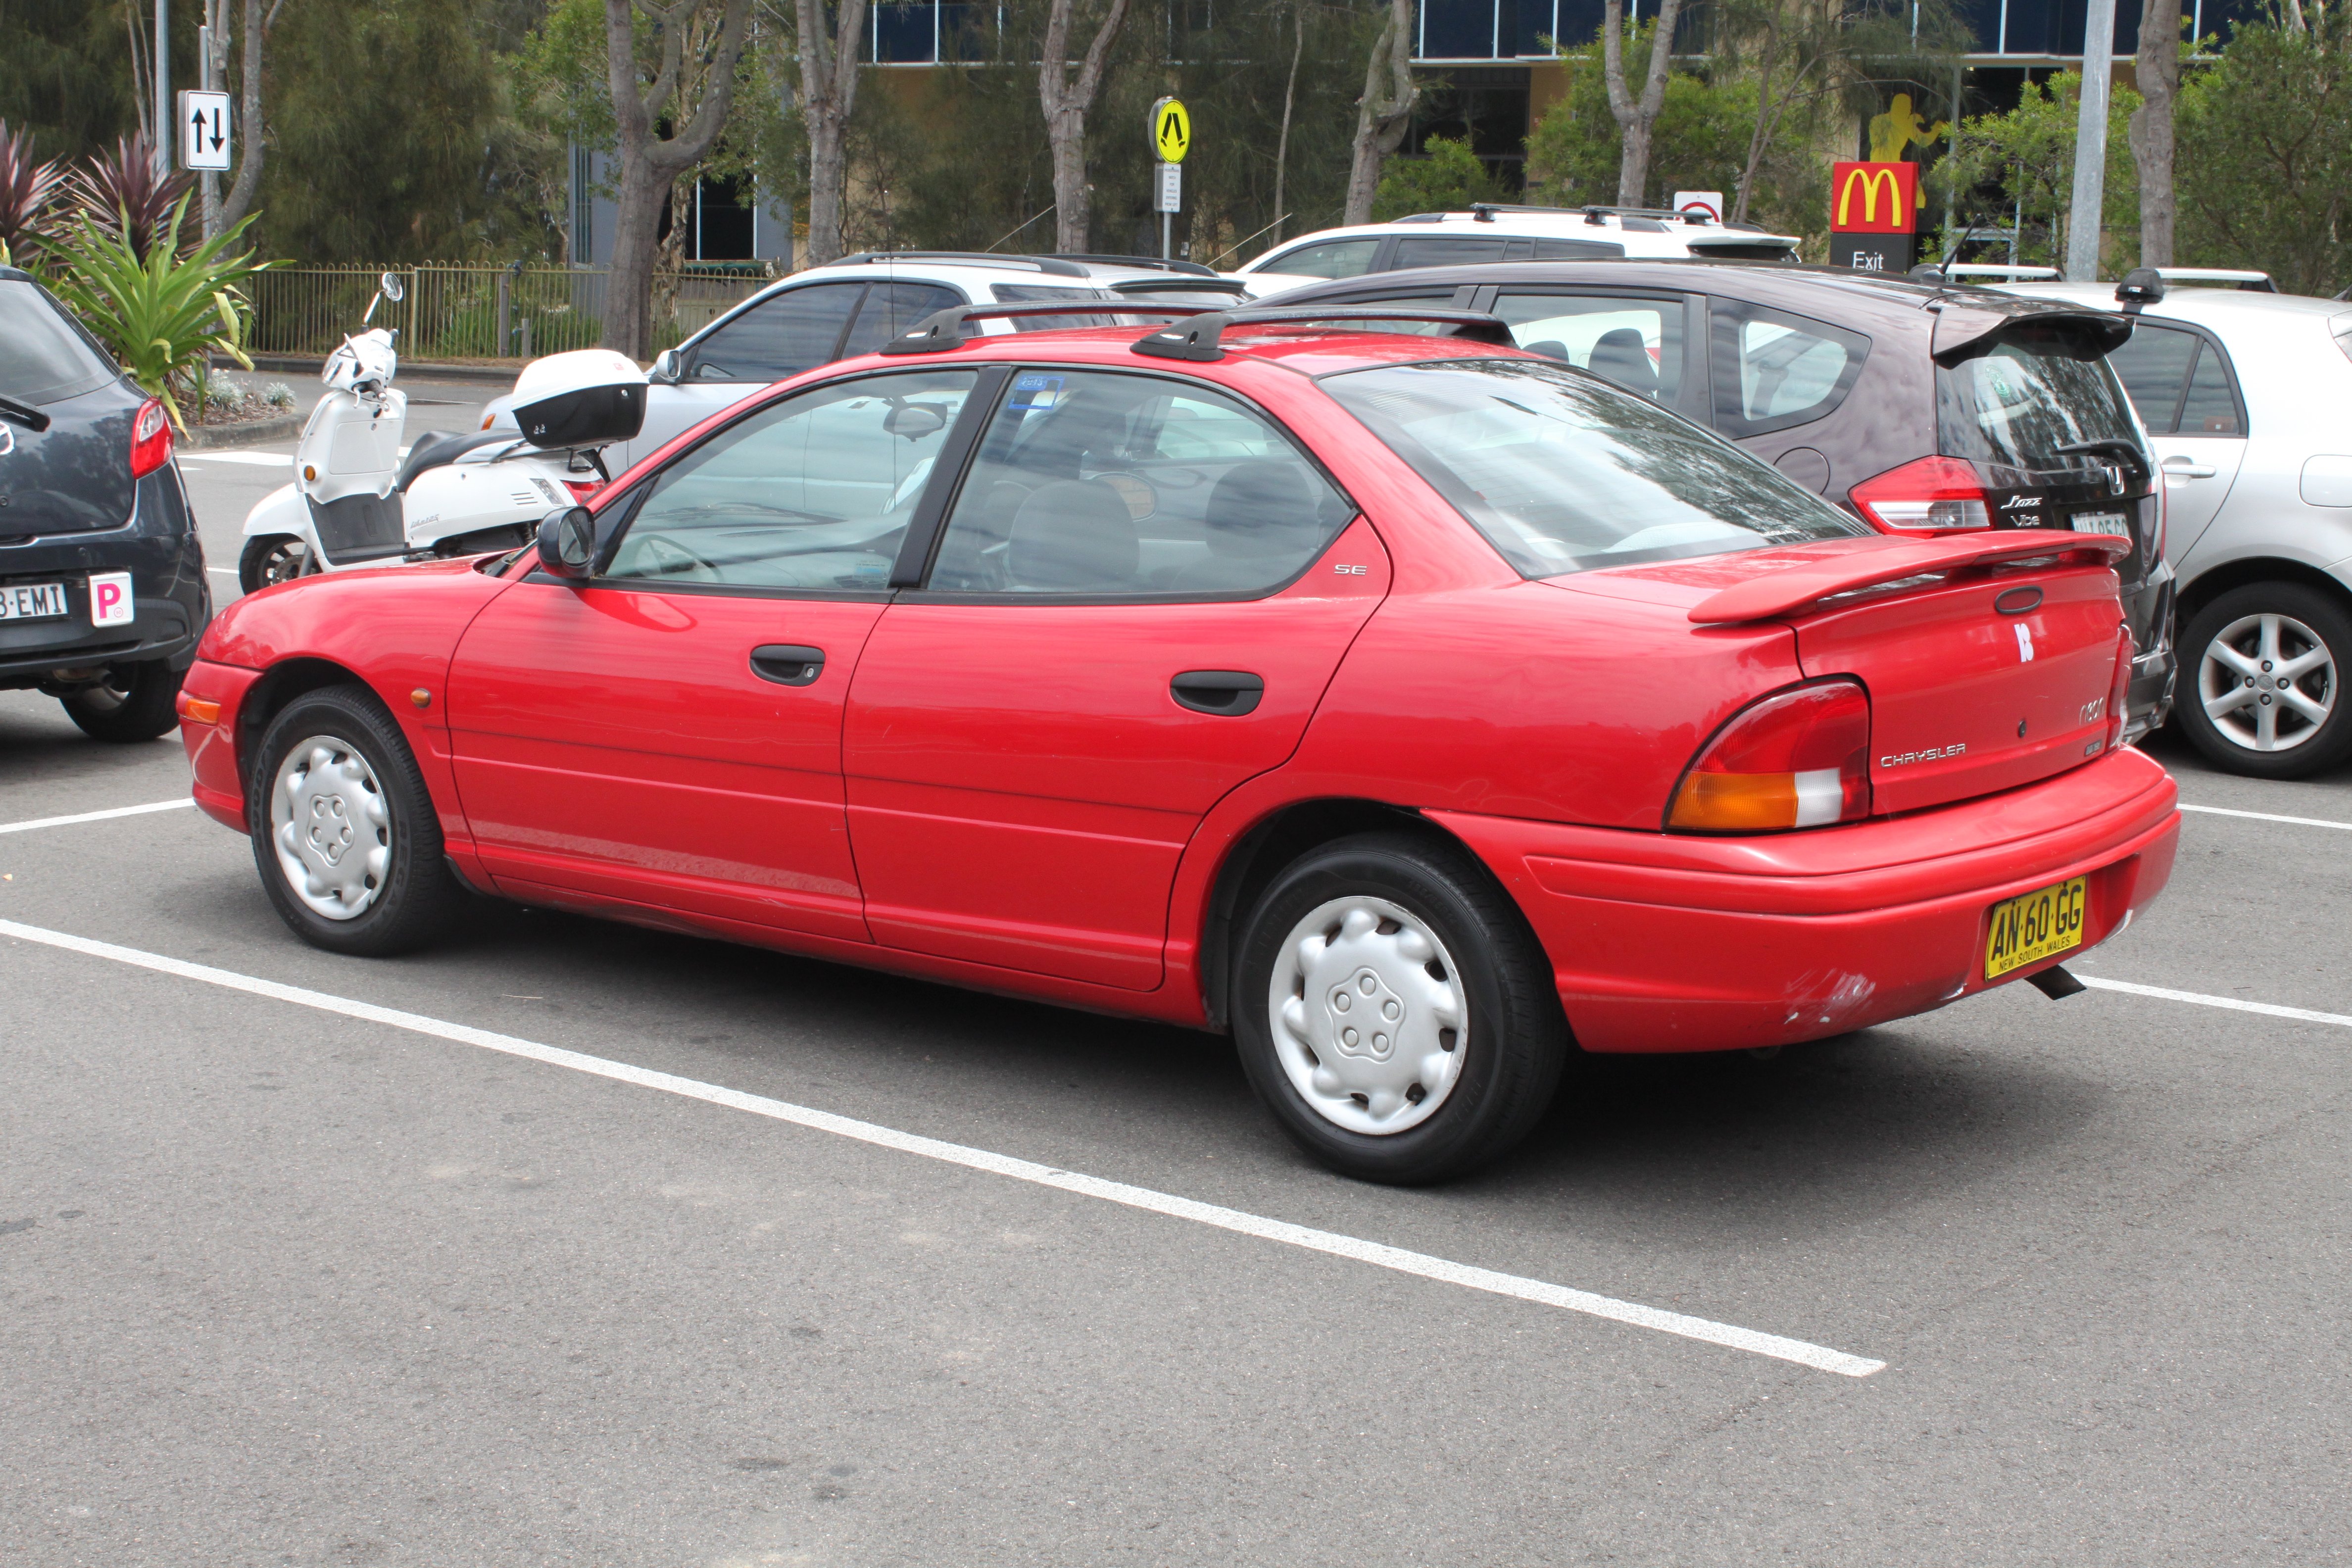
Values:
[(666, 557)]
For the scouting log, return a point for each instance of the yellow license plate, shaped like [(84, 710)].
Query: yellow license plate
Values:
[(2033, 926)]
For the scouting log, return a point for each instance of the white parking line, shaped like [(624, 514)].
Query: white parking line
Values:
[(259, 460), (2268, 1009), (1390, 1258), (2267, 816), (92, 815)]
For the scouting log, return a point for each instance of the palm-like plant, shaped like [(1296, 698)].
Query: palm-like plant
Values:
[(120, 194), (164, 314), (28, 199)]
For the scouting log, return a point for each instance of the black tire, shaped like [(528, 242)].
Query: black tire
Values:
[(134, 702), (270, 559), (1512, 1051), (2316, 748), (413, 899)]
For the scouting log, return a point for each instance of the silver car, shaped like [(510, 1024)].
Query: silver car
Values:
[(2245, 394)]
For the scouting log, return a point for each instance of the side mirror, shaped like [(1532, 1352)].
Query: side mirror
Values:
[(390, 287), (567, 543), (666, 368), (915, 420)]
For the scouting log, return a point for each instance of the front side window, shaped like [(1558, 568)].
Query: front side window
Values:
[(1092, 484), (1773, 370), (1637, 344), (2029, 393), (781, 336), (1564, 474), (810, 492), (1325, 259)]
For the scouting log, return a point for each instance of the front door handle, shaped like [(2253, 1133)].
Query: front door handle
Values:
[(1226, 692), (2187, 468), (787, 664)]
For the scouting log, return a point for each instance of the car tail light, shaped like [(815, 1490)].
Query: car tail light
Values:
[(1798, 758), (2119, 688), (580, 491), (150, 439), (1924, 497)]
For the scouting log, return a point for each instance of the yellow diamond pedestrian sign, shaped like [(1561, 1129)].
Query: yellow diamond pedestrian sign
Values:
[(1172, 130)]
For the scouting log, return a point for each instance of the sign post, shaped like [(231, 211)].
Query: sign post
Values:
[(1873, 215), (1170, 128), (204, 130)]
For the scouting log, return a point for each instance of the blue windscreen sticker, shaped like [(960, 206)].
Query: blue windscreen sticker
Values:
[(1034, 391)]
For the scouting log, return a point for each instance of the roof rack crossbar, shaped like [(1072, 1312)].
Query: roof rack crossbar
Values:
[(1053, 265), (1201, 338), (944, 329)]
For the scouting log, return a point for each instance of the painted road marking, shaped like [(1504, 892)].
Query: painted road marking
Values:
[(92, 815), (2268, 1009), (2267, 816), (242, 455), (1425, 1266)]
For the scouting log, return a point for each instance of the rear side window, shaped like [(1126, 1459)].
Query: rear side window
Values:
[(44, 358), (782, 335), (1773, 370), (1563, 473), (1327, 258), (2211, 406), (1578, 250), (1635, 341), (2025, 397), (891, 308)]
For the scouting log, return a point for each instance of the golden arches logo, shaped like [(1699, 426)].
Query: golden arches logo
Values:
[(1869, 179), (1888, 193)]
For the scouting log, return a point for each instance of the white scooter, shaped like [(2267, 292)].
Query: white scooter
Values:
[(356, 501)]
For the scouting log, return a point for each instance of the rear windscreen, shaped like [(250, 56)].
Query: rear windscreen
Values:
[(2029, 393), (1038, 293), (1563, 472), (44, 358)]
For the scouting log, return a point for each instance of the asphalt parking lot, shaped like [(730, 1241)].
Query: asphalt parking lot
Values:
[(322, 1261)]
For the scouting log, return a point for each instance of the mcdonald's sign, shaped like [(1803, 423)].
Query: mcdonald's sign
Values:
[(1874, 198)]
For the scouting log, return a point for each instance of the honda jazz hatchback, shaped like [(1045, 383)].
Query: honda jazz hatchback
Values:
[(1418, 710)]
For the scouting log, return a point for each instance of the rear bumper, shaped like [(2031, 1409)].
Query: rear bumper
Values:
[(170, 600), (1672, 942)]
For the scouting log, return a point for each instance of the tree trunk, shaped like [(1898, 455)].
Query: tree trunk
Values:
[(829, 94), (2157, 68), (1066, 103), (1384, 112), (1282, 142), (241, 189), (1636, 117), (650, 162)]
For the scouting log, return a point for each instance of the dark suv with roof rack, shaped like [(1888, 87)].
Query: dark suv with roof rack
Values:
[(102, 589), (1924, 408)]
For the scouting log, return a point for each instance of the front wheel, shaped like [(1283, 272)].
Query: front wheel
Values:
[(343, 829), (129, 703), (2268, 662), (1394, 1012), (270, 559)]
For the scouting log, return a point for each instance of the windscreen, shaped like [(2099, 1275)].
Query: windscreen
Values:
[(2031, 392), (43, 359), (1563, 472)]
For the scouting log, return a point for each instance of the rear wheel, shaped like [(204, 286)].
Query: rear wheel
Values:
[(2270, 660), (131, 702), (272, 558), (1394, 1012), (344, 832)]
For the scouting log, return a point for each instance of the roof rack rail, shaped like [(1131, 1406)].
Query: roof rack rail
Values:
[(1053, 265), (944, 329), (1155, 263), (1998, 269), (2251, 281), (1201, 337)]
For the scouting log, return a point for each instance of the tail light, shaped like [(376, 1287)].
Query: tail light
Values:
[(2119, 688), (1798, 758), (579, 491), (150, 439), (1925, 496)]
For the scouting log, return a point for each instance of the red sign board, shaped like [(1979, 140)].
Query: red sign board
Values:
[(1874, 198)]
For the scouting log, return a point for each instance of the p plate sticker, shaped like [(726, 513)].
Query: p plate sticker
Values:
[(109, 599), (1034, 391)]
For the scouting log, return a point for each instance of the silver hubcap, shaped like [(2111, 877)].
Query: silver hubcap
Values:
[(2267, 682), (330, 827), (1367, 1015)]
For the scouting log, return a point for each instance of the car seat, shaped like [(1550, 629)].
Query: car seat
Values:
[(1073, 536), (1260, 525), (1619, 357)]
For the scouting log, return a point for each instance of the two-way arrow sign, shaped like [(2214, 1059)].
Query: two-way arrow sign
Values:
[(204, 130)]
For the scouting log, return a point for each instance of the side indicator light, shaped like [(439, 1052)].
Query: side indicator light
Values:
[(1798, 758), (197, 711)]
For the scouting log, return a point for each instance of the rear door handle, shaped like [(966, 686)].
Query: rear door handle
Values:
[(1227, 692), (787, 664), (2185, 468)]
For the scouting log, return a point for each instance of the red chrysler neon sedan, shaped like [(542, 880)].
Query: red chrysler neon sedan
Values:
[(1419, 710)]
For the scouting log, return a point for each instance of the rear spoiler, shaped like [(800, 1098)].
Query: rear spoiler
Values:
[(1965, 328), (1872, 562)]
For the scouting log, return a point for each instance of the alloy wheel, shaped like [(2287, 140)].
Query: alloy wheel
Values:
[(2267, 682)]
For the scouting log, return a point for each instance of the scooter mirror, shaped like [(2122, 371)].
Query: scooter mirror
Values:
[(567, 543), (390, 287)]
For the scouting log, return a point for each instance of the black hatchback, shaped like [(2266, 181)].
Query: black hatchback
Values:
[(102, 586), (1922, 408)]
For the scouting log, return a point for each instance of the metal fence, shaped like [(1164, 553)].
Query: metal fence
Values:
[(455, 312)]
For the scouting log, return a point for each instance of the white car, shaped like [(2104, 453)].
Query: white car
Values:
[(853, 306), (1495, 232), (2244, 393)]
